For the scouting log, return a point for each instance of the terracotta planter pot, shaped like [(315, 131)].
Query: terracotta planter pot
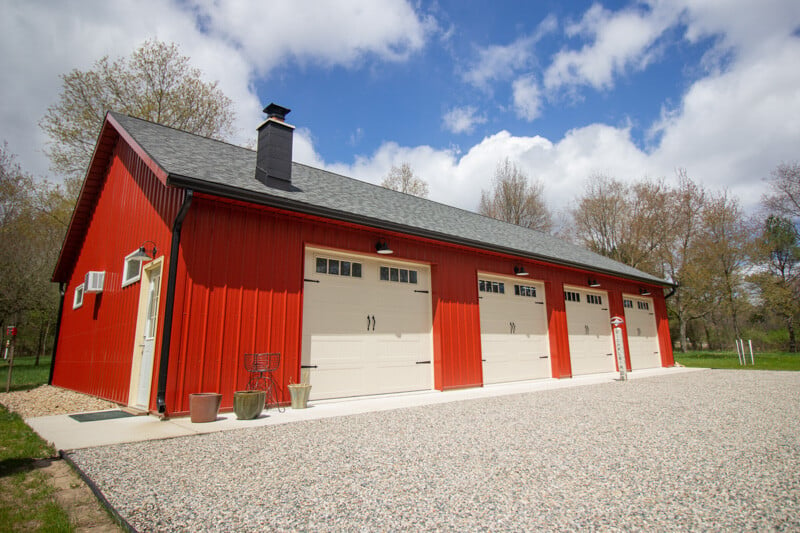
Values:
[(204, 406), (299, 393), (248, 404)]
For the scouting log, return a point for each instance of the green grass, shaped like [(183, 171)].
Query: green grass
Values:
[(764, 361), (25, 375), (26, 500)]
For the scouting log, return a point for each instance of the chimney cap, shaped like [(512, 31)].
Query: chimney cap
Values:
[(274, 110)]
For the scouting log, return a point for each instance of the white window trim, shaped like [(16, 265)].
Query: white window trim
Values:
[(77, 299), (131, 281)]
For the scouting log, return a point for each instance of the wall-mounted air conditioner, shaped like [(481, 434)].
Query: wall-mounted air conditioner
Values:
[(93, 282)]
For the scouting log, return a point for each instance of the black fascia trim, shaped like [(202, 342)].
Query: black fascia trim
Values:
[(235, 193)]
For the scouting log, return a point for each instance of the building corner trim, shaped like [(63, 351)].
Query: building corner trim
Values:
[(169, 305)]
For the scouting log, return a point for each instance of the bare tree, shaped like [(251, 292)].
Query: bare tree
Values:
[(683, 258), (625, 222), (785, 185), (402, 179), (155, 83), (512, 199)]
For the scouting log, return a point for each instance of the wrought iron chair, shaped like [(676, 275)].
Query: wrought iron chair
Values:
[(261, 366)]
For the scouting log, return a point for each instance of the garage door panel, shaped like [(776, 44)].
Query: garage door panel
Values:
[(514, 340), (591, 345), (640, 324), (368, 333)]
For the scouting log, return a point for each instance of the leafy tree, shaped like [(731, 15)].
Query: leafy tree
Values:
[(512, 199), (777, 252), (155, 83), (402, 179), (725, 241), (32, 223)]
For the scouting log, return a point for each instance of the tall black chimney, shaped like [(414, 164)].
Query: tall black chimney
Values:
[(274, 151)]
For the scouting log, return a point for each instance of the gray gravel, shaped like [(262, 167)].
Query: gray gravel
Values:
[(710, 450)]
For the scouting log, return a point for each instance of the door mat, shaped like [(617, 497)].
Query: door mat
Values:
[(100, 415)]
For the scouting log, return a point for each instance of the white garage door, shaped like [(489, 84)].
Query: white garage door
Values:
[(640, 322), (514, 340), (591, 345), (366, 325)]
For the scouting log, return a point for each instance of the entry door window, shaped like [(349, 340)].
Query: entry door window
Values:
[(152, 306)]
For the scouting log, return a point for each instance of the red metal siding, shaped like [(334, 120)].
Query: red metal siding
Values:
[(241, 290), (96, 341)]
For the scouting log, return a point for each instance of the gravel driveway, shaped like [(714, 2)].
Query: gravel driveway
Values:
[(711, 450)]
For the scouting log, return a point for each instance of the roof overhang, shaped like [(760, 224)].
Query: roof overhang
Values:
[(234, 193)]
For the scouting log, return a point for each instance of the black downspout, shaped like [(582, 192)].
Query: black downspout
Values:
[(668, 296), (169, 305), (62, 288)]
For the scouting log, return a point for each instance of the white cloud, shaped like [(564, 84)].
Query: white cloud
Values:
[(618, 41), (462, 119), (527, 98), (500, 62), (328, 33)]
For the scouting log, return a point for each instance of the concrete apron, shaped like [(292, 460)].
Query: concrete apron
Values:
[(65, 433)]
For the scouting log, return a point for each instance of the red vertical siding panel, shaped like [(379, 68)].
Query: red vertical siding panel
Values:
[(96, 342), (557, 329)]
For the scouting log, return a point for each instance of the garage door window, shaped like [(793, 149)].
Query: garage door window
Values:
[(525, 290), (594, 299), (399, 275), (644, 306), (628, 303), (572, 296), (497, 287), (336, 267)]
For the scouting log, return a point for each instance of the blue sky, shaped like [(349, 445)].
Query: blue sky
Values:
[(566, 90)]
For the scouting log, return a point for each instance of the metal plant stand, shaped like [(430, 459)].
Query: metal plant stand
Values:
[(261, 366)]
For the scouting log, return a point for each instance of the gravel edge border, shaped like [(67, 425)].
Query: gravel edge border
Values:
[(98, 493)]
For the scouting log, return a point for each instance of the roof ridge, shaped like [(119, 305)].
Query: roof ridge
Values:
[(420, 198), (118, 114)]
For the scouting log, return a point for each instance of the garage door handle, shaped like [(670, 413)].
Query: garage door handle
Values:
[(308, 366), (423, 292), (543, 356), (539, 303), (311, 280), (373, 322), (423, 362), (609, 354)]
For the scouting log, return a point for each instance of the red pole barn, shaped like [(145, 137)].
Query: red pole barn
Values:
[(185, 253)]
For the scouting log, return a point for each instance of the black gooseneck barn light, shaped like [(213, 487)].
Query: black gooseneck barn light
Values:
[(382, 248), (142, 254), (593, 282), (520, 271), (644, 292)]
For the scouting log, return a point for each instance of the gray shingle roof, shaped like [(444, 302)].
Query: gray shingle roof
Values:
[(220, 168)]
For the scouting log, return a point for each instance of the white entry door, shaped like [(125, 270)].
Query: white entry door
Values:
[(640, 323), (591, 345), (514, 340), (147, 326), (366, 325)]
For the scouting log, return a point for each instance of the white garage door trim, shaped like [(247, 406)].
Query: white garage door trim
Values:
[(515, 345), (640, 323), (591, 344), (366, 325)]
